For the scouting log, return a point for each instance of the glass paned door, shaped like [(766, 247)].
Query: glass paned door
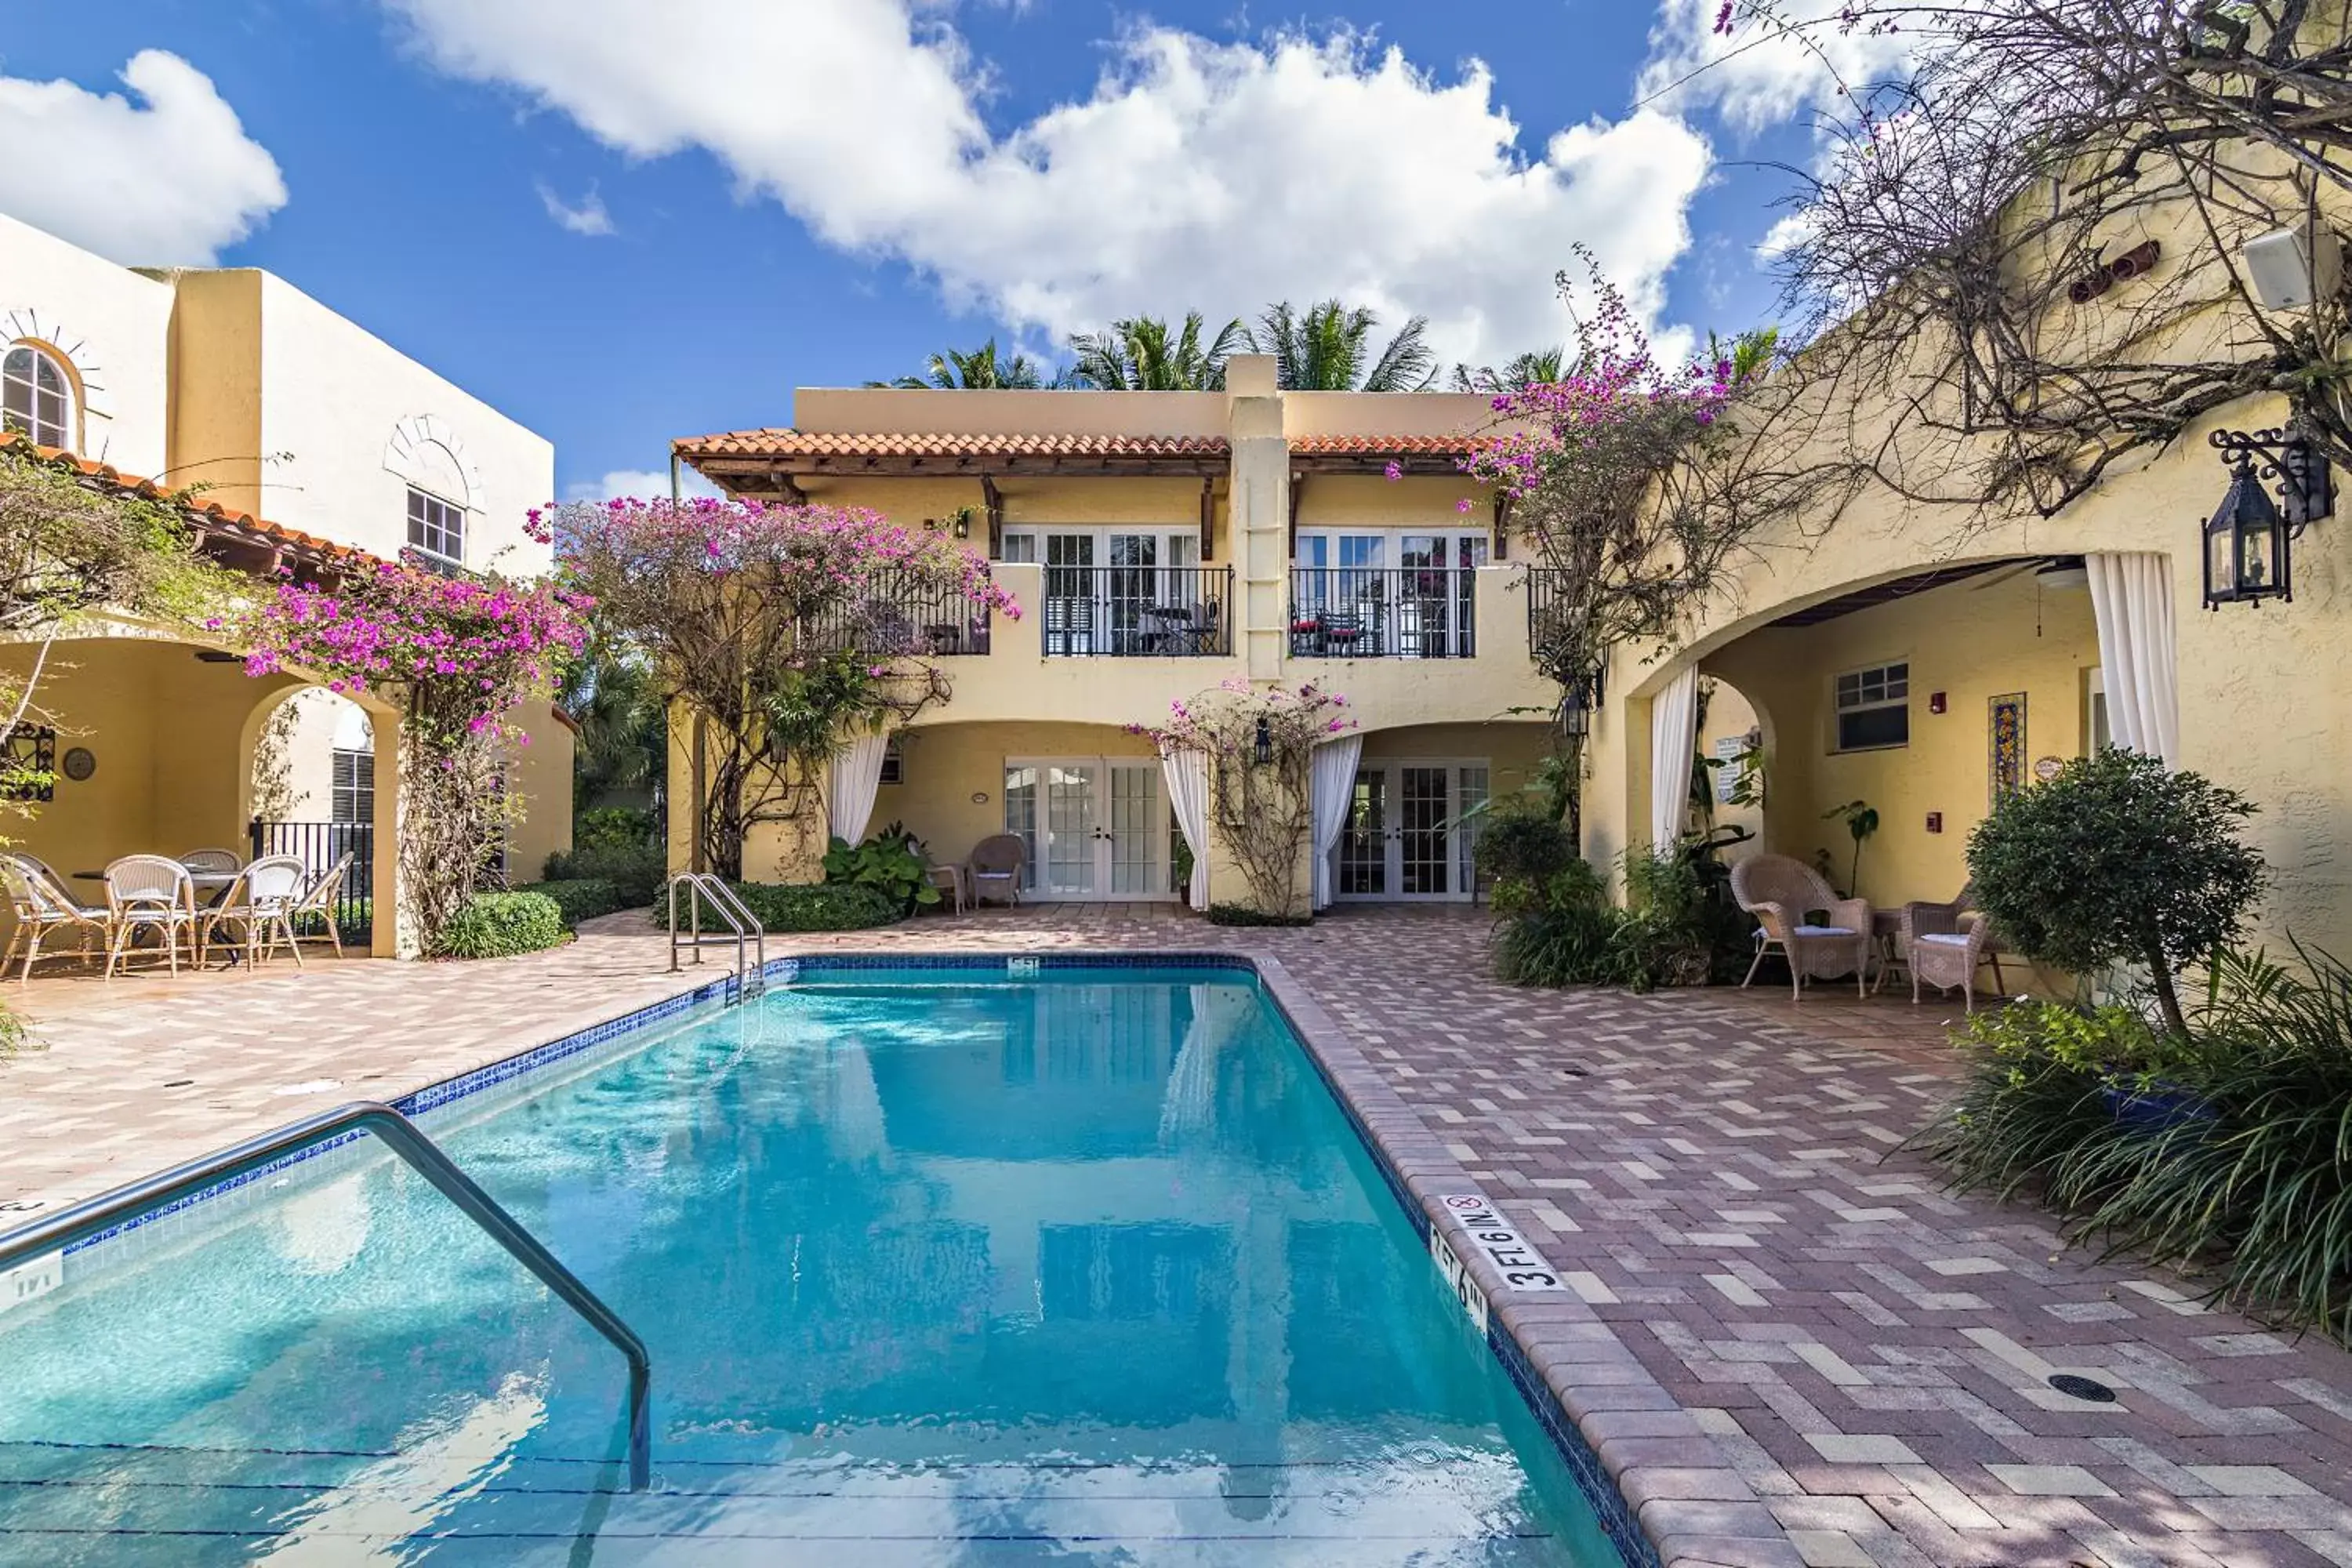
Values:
[(1363, 849), (1405, 837), (1133, 588), (1096, 827), (1070, 615)]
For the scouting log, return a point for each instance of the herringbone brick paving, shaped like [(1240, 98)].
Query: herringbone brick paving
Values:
[(1719, 1172)]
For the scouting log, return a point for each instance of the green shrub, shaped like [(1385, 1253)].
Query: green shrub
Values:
[(2246, 1170), (2118, 860), (891, 861), (1563, 930), (1521, 850), (635, 871), (498, 925), (1243, 915), (612, 827), (806, 906), (580, 898)]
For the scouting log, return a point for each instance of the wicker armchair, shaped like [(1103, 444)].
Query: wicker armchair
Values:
[(147, 892), (316, 908), (1783, 895), (261, 904), (42, 908), (1944, 945), (998, 858)]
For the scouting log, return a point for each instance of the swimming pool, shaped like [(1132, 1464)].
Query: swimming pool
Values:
[(935, 1266)]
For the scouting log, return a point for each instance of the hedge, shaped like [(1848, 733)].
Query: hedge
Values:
[(796, 906), (499, 925), (1243, 915), (580, 898)]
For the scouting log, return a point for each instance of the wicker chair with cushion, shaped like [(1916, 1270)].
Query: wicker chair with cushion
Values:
[(43, 908), (1785, 896), (147, 892), (998, 861), (318, 903), (1945, 944), (261, 903)]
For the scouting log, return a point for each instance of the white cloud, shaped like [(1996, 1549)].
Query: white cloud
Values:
[(1194, 173), (643, 484), (1760, 75), (588, 218), (166, 181)]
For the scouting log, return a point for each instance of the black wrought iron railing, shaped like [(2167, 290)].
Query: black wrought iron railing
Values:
[(1547, 609), (1139, 612), (901, 617), (319, 845), (1411, 612)]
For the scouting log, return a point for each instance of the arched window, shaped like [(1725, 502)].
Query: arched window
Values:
[(37, 396)]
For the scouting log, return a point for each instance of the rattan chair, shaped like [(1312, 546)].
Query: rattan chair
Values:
[(213, 862), (1784, 896), (318, 902), (1945, 944), (262, 901), (998, 858), (43, 908), (948, 877), (147, 892)]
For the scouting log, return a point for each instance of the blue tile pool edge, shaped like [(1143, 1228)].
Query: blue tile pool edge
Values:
[(1410, 1160)]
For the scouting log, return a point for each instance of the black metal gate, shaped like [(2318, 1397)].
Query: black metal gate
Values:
[(319, 845)]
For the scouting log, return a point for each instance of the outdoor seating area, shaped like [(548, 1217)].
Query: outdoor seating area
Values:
[(1803, 922), (158, 910)]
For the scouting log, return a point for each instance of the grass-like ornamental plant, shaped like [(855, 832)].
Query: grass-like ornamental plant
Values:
[(2118, 860), (499, 925), (2244, 1176)]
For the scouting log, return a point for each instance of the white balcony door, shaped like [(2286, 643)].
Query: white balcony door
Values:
[(1405, 838), (1096, 827)]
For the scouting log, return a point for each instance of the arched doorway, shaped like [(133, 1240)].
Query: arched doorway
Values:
[(311, 793)]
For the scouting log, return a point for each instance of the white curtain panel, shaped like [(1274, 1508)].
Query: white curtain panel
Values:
[(1674, 748), (1332, 785), (2131, 598), (852, 780), (1187, 774)]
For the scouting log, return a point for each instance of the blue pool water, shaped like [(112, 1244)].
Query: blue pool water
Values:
[(1082, 1268)]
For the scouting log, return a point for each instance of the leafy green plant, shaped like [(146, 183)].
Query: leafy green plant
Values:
[(1519, 853), (1861, 819), (891, 861), (635, 871), (612, 827), (1245, 915), (499, 925), (2118, 859), (809, 906), (14, 1035), (580, 898)]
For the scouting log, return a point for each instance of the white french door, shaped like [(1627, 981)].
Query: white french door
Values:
[(1111, 590), (1096, 827), (1405, 838)]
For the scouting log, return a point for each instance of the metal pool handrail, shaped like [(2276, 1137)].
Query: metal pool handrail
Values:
[(750, 935), (405, 1139)]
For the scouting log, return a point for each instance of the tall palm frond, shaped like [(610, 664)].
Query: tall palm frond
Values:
[(1328, 348), (1540, 367), (978, 370), (1141, 355)]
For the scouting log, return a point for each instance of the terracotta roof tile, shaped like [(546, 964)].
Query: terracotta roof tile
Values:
[(829, 444), (1386, 446), (209, 515)]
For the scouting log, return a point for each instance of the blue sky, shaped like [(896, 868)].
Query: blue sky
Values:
[(622, 222)]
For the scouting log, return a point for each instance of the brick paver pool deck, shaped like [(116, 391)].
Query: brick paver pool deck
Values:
[(1718, 1172)]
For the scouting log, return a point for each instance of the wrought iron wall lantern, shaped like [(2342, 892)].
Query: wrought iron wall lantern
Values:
[(1578, 698), (2249, 543), (1262, 752)]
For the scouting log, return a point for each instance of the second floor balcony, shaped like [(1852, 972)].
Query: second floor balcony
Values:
[(1413, 612), (1138, 612)]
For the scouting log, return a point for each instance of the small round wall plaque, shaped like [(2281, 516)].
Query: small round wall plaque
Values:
[(79, 763), (980, 797), (2048, 768)]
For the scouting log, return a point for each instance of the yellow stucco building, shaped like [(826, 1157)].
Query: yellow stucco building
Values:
[(309, 444)]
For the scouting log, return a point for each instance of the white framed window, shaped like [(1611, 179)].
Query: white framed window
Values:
[(894, 763), (353, 786), (437, 527), (37, 395), (1873, 708)]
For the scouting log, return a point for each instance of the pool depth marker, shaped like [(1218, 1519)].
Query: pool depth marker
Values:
[(1486, 1231)]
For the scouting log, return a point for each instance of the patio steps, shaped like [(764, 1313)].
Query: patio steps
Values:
[(67, 1505)]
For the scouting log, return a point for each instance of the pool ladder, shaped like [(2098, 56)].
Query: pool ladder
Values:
[(743, 929), (111, 1212)]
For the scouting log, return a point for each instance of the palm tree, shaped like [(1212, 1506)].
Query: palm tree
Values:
[(1748, 353), (1141, 354), (1328, 348), (622, 746), (979, 370), (1541, 367)]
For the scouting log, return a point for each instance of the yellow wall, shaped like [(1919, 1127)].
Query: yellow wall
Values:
[(543, 777), (946, 764), (216, 440), (1971, 641)]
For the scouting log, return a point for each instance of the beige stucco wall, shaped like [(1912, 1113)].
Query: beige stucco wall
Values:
[(2262, 692), (107, 325)]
